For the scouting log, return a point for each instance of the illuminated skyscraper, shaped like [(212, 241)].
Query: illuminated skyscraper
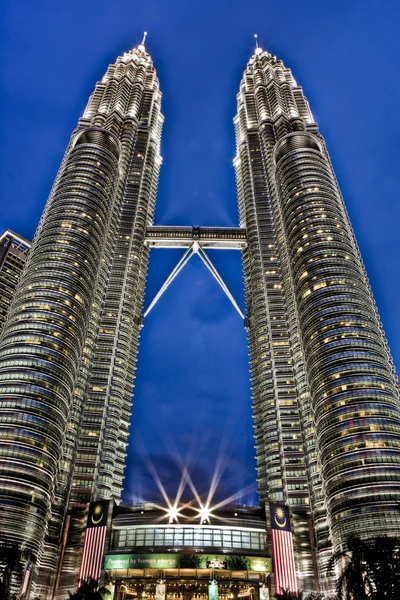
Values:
[(13, 252), (67, 352), (325, 393)]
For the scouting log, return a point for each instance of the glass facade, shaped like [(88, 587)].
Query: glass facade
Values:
[(325, 395), (44, 334), (202, 537), (354, 391), (187, 589), (13, 252), (68, 349), (127, 102), (228, 549)]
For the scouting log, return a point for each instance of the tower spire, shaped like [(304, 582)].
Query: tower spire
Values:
[(141, 46), (258, 49)]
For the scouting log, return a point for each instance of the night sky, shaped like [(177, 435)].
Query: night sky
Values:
[(192, 407)]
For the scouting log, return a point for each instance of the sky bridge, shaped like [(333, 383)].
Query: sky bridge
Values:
[(195, 240), (216, 238)]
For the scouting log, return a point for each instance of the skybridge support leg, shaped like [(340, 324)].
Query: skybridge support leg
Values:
[(182, 262), (195, 248), (206, 260)]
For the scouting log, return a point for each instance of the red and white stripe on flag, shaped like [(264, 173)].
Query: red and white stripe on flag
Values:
[(95, 536), (92, 554), (25, 580), (282, 548), (284, 567)]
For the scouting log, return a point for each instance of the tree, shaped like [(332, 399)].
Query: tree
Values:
[(318, 596), (237, 563), (353, 582), (189, 561), (383, 559), (371, 569), (89, 590), (287, 595), (10, 568)]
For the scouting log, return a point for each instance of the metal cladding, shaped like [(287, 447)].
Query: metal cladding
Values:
[(352, 384), (326, 404), (13, 253), (43, 338), (68, 348), (325, 393), (127, 102)]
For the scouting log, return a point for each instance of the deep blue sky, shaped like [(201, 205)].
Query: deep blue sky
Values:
[(192, 396)]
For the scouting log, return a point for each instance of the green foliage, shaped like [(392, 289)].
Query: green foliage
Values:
[(89, 590), (318, 596), (237, 563), (287, 595), (189, 561), (371, 569)]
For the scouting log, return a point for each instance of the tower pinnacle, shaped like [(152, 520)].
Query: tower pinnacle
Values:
[(141, 46), (258, 49)]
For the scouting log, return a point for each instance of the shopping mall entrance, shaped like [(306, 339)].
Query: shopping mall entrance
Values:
[(195, 588), (155, 556)]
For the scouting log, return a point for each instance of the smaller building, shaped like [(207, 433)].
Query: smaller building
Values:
[(186, 553), (13, 252)]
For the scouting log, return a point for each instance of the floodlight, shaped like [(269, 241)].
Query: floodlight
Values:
[(204, 514), (173, 514)]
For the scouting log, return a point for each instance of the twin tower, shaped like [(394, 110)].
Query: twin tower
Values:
[(325, 393)]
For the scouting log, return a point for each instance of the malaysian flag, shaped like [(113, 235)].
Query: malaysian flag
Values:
[(282, 549), (95, 536), (25, 579)]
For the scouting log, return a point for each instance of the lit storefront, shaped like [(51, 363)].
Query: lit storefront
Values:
[(156, 557)]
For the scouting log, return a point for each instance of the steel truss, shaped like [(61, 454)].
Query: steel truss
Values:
[(194, 238)]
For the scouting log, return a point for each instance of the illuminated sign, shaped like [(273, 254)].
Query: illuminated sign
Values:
[(174, 561), (216, 563), (141, 561)]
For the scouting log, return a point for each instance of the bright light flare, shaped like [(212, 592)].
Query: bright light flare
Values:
[(173, 513), (205, 514)]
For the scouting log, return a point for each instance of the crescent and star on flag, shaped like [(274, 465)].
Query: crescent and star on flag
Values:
[(97, 514), (280, 518)]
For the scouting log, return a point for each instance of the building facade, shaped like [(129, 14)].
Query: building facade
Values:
[(69, 346), (325, 393), (127, 102), (145, 545), (13, 252)]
